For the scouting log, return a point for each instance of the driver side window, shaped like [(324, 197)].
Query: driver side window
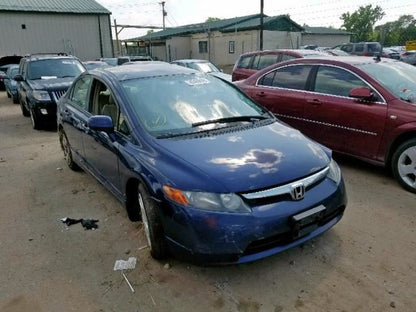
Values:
[(104, 104)]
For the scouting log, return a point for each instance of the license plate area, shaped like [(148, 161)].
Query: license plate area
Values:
[(307, 221)]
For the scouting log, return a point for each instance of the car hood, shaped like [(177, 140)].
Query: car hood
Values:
[(51, 83), (249, 159)]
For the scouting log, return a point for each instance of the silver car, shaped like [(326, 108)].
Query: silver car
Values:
[(409, 57)]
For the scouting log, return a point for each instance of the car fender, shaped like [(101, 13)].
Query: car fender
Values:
[(400, 134)]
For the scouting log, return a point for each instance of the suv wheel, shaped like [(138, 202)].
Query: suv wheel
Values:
[(25, 112), (404, 165), (35, 120)]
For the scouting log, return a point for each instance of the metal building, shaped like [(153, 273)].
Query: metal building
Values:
[(78, 27)]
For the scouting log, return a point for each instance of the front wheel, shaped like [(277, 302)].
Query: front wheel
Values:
[(35, 120), (151, 223), (66, 148), (25, 112), (404, 165)]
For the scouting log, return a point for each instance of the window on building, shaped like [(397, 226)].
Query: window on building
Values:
[(203, 46), (231, 46)]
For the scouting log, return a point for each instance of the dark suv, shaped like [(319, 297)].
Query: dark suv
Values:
[(42, 80), (361, 48)]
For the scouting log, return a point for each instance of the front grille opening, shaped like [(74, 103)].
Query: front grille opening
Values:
[(287, 237)]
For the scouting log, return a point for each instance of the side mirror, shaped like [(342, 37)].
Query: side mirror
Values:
[(18, 77), (101, 123), (362, 93)]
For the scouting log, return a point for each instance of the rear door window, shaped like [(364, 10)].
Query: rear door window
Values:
[(292, 77)]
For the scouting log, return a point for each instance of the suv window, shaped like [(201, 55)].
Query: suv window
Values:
[(290, 77), (336, 81), (347, 48), (267, 60), (244, 62), (359, 47)]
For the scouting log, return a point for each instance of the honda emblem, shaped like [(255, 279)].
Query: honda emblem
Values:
[(297, 191)]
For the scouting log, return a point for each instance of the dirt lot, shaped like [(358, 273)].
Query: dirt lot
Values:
[(365, 263)]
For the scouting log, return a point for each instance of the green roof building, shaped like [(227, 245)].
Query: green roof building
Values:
[(78, 27)]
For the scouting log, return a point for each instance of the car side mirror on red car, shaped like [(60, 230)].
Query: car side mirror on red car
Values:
[(362, 93)]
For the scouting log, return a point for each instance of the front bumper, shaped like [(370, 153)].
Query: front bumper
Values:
[(214, 237)]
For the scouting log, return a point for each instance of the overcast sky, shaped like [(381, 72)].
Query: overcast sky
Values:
[(182, 12)]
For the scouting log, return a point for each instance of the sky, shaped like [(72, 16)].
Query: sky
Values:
[(324, 13)]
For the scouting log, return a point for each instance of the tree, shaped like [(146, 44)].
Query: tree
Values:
[(397, 32), (212, 19), (361, 22)]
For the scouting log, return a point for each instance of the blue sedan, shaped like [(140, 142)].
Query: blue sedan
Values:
[(214, 177)]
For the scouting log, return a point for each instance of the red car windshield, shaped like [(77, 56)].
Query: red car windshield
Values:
[(398, 77)]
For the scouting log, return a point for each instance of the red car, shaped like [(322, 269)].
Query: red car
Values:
[(364, 107), (251, 62)]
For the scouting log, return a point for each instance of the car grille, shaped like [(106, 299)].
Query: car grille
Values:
[(283, 192), (57, 95)]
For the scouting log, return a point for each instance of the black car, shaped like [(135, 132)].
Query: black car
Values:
[(42, 80)]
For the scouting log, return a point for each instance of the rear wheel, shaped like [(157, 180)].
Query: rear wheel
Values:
[(66, 148), (151, 223), (404, 165)]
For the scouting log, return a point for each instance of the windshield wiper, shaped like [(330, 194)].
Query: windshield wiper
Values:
[(230, 119)]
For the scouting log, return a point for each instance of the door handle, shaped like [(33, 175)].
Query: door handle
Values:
[(261, 94), (314, 102)]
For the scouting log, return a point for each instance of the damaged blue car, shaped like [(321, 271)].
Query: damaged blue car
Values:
[(214, 177)]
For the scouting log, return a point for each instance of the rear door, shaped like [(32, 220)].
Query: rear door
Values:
[(342, 123)]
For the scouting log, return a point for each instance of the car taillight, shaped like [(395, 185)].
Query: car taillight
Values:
[(366, 54)]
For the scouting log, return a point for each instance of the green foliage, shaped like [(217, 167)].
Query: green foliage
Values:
[(212, 19), (361, 22), (397, 32)]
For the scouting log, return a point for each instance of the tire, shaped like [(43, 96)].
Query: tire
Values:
[(404, 165), (36, 124), (25, 112), (151, 223), (8, 95), (66, 148), (15, 100)]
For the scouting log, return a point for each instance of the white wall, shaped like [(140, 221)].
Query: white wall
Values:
[(324, 40), (76, 34)]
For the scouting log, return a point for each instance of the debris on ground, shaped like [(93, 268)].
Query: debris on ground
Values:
[(88, 224), (125, 265)]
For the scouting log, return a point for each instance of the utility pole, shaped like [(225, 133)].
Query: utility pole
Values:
[(164, 13), (261, 24)]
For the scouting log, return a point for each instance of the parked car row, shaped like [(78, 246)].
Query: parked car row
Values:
[(208, 165)]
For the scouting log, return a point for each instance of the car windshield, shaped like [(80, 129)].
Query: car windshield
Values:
[(204, 67), (398, 77), (54, 68), (188, 103)]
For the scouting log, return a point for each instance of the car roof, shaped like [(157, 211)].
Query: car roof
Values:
[(351, 60), (302, 52), (191, 61), (145, 70)]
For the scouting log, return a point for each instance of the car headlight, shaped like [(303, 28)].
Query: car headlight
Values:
[(207, 201), (41, 95), (334, 172)]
